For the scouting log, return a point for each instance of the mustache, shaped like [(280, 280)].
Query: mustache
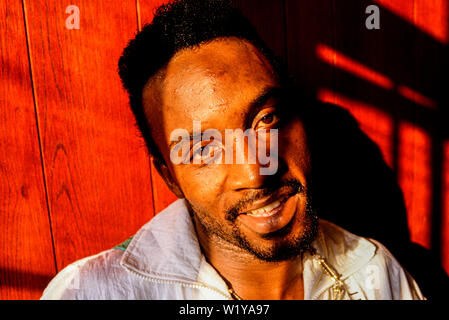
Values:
[(292, 187)]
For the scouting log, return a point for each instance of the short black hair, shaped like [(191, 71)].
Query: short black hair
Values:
[(178, 25)]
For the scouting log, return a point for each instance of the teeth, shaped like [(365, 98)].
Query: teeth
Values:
[(265, 211)]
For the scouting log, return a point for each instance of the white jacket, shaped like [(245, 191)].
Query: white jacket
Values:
[(164, 261)]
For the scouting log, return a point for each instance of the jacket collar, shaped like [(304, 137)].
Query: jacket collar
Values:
[(167, 248), (343, 251)]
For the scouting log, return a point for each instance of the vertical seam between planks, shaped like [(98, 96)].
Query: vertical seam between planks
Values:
[(33, 88), (139, 22)]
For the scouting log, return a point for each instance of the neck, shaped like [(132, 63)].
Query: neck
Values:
[(250, 277)]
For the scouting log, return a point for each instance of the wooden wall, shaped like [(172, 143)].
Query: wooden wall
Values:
[(75, 178)]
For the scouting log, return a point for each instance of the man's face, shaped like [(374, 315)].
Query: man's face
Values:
[(229, 84)]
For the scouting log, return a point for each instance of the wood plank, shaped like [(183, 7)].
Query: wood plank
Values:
[(26, 250), (331, 54), (411, 57), (373, 85), (415, 177), (431, 52), (389, 79), (268, 17), (309, 24), (96, 165), (444, 249), (370, 67)]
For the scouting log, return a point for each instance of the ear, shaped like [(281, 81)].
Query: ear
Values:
[(164, 172)]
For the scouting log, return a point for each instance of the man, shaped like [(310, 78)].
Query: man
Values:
[(237, 232)]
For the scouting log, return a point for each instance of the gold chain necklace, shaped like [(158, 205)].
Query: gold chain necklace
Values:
[(337, 289), (234, 295)]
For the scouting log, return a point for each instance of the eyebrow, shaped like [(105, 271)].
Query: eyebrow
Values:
[(260, 101), (254, 106), (267, 93)]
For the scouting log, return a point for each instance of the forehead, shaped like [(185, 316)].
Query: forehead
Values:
[(212, 83)]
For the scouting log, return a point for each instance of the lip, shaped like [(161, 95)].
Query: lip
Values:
[(277, 218), (269, 209), (263, 202)]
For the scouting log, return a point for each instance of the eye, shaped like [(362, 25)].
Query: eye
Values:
[(206, 154), (267, 119), (212, 152), (197, 152)]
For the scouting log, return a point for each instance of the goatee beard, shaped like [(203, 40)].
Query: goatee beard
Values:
[(282, 248)]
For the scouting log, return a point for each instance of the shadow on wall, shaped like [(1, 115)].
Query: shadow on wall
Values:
[(354, 188), (29, 284), (399, 72)]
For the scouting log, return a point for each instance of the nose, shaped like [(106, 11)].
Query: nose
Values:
[(253, 158), (245, 176), (248, 176)]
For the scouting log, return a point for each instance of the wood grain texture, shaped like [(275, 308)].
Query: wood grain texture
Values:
[(431, 67), (26, 250), (146, 10), (97, 169)]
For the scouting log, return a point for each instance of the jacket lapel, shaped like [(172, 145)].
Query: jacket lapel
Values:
[(166, 248), (345, 252)]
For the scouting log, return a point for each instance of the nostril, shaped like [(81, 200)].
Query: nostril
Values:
[(248, 177), (262, 183)]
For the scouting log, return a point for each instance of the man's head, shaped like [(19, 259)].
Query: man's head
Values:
[(202, 61)]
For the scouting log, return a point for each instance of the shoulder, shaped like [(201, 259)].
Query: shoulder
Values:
[(385, 272), (340, 239), (76, 280), (368, 265)]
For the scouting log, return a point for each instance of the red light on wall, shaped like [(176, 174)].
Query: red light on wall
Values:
[(430, 16), (376, 124), (414, 174), (417, 97), (343, 62)]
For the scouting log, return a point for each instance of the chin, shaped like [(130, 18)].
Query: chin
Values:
[(284, 244)]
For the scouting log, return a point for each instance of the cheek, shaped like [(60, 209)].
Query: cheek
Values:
[(293, 147), (202, 187)]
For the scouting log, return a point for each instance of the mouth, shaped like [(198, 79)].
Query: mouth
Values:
[(271, 215), (267, 210)]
